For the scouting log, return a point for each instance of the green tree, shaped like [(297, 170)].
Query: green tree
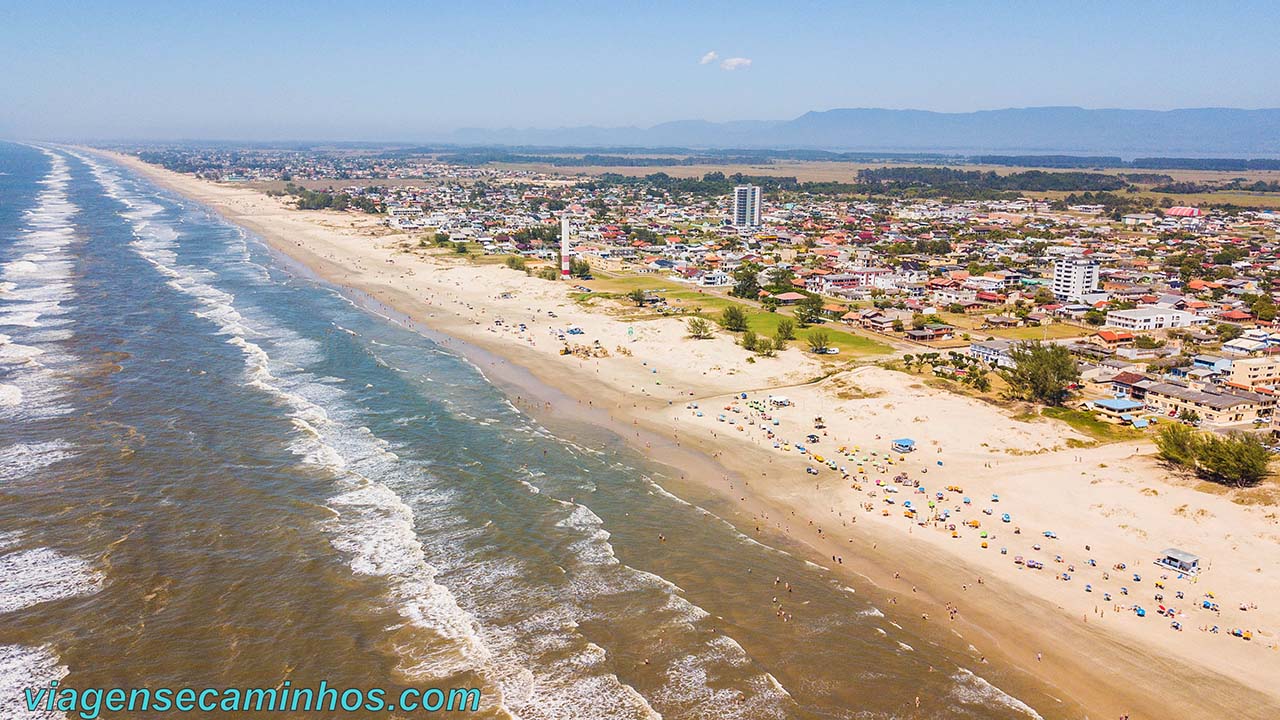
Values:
[(785, 331), (1228, 332), (638, 297), (699, 328), (1041, 372), (981, 382), (819, 340), (745, 282), (780, 280), (809, 310), (579, 268), (1264, 308), (733, 318), (1044, 296), (515, 262), (1178, 444), (766, 347), (750, 340), (1236, 459), (1095, 317)]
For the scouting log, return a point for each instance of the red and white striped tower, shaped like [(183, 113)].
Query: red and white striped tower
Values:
[(564, 245)]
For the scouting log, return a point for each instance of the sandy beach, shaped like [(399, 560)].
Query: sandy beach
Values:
[(1095, 517)]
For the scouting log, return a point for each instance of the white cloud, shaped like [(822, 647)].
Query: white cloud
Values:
[(710, 57), (735, 63)]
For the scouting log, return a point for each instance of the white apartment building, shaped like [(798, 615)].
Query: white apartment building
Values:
[(1074, 277), (746, 206), (1151, 318)]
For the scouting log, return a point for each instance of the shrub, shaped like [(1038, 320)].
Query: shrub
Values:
[(733, 318), (1235, 459), (819, 340), (699, 328), (785, 331)]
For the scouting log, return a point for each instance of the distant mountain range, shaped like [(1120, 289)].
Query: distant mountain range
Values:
[(1194, 132)]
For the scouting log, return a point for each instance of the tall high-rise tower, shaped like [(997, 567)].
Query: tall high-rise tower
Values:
[(564, 245), (746, 206)]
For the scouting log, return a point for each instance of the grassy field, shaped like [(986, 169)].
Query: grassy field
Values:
[(1243, 199), (712, 304), (825, 170), (1087, 424), (1053, 331)]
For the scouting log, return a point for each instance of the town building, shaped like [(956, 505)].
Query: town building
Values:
[(1214, 408), (1151, 318), (1254, 371), (1074, 277), (746, 206)]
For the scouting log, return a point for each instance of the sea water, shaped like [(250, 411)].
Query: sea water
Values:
[(217, 471)]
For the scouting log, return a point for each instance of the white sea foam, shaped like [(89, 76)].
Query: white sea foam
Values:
[(372, 526), (971, 689), (376, 530), (527, 639), (689, 686), (12, 353), (23, 667), (22, 460), (35, 289), (31, 577), (594, 547)]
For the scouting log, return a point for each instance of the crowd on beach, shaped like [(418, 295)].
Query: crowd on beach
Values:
[(905, 484)]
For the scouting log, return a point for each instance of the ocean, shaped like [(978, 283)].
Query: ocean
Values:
[(219, 471)]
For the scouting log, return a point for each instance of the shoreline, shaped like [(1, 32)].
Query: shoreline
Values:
[(1084, 665)]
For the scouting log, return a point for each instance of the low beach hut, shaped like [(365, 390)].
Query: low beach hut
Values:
[(1179, 560), (904, 445)]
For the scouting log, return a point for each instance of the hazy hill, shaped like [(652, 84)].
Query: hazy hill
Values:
[(1189, 132)]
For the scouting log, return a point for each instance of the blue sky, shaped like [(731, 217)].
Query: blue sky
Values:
[(414, 70)]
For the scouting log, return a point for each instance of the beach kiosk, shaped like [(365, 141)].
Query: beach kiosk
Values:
[(1179, 561), (904, 445)]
